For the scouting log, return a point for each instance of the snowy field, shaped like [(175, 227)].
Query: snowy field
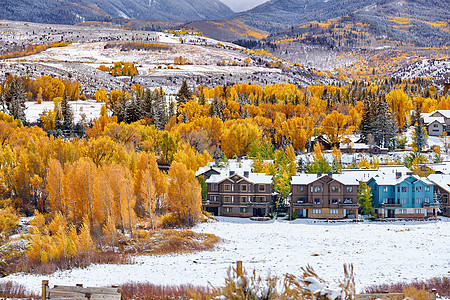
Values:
[(91, 109), (381, 252)]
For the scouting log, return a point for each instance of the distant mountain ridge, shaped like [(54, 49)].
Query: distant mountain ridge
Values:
[(75, 11)]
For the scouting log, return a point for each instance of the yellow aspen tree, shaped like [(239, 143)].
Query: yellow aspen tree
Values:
[(401, 105), (184, 194)]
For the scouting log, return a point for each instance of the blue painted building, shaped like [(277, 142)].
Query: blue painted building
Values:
[(403, 196)]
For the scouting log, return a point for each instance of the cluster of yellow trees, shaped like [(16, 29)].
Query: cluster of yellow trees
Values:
[(99, 185), (47, 88), (120, 69)]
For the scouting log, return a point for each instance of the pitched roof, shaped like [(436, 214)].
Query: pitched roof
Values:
[(445, 113), (305, 179), (391, 179), (441, 180), (255, 178)]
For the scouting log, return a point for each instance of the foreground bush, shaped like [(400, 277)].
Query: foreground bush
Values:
[(14, 290), (148, 291), (441, 285)]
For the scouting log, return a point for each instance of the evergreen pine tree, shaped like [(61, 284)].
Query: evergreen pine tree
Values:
[(67, 113), (184, 94), (420, 132), (14, 99), (364, 198)]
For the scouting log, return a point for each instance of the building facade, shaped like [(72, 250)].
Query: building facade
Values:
[(239, 194), (442, 191), (331, 196), (403, 196)]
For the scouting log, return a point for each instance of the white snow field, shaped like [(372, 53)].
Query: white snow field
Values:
[(381, 253)]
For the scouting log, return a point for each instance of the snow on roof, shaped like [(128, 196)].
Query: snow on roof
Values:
[(429, 120), (361, 146), (445, 113), (305, 179), (391, 179), (441, 180), (443, 167), (256, 178)]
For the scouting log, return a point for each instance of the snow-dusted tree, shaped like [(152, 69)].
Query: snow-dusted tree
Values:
[(184, 94), (420, 132), (14, 98), (67, 113)]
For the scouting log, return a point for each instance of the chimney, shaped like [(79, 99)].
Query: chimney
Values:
[(231, 173), (409, 173), (319, 174), (330, 174), (398, 175), (246, 174)]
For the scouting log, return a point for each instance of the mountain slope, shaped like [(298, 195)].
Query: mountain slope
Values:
[(74, 11), (276, 14)]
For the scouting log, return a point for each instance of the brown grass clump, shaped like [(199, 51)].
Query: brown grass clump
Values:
[(10, 289), (441, 285), (148, 291), (162, 242), (23, 264)]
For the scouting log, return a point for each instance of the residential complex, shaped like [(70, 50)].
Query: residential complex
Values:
[(330, 196)]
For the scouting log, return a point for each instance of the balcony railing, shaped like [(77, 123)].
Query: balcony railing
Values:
[(431, 205), (390, 205)]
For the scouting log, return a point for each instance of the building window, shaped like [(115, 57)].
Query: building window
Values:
[(418, 211), (244, 199), (385, 189), (334, 211), (427, 189), (435, 125), (317, 211), (214, 198), (349, 200), (404, 201), (385, 200), (404, 189), (349, 189), (418, 188), (260, 199), (243, 187), (317, 189), (214, 187), (418, 200), (402, 211), (300, 188), (302, 200), (334, 201), (227, 209), (227, 187), (261, 188), (427, 200), (316, 200), (335, 189), (243, 209), (226, 199)]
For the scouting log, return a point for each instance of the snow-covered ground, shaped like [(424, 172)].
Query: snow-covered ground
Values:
[(380, 252), (91, 109)]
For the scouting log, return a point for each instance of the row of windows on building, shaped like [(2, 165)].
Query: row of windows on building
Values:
[(318, 189), (404, 189), (242, 187), (318, 211), (404, 211), (230, 209), (320, 201), (405, 201), (242, 199)]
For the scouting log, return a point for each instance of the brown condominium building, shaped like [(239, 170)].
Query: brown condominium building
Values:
[(330, 196), (239, 193)]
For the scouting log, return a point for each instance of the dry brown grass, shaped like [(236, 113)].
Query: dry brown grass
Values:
[(160, 242), (23, 264), (441, 285), (148, 291), (10, 289)]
